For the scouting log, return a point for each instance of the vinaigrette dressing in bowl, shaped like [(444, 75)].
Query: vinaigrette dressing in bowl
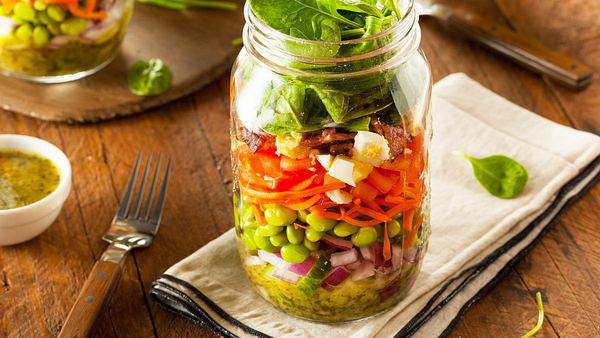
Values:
[(35, 181)]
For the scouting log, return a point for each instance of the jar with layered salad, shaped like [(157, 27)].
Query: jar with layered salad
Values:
[(330, 133), (51, 41)]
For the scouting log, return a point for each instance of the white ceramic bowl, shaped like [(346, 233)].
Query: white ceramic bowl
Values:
[(22, 224)]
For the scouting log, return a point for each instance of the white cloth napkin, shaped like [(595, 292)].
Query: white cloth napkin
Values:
[(475, 236)]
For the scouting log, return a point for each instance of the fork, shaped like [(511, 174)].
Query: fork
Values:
[(521, 49), (132, 227)]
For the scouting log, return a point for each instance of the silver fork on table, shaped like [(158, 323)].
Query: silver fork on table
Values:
[(133, 227)]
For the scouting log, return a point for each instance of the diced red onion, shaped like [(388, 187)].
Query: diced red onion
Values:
[(378, 254), (273, 259), (337, 276), (285, 275), (396, 256), (367, 253), (410, 254), (354, 265), (254, 260), (344, 257), (303, 268), (337, 242), (365, 270)]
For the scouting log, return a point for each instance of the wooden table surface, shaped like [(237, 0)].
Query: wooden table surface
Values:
[(39, 280)]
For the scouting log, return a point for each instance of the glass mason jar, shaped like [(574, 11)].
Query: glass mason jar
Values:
[(52, 41), (330, 159)]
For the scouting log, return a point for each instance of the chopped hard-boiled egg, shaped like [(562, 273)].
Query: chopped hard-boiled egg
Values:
[(348, 170), (370, 148), (339, 196), (325, 160), (291, 146)]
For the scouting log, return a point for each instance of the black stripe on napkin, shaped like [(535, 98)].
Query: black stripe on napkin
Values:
[(166, 300)]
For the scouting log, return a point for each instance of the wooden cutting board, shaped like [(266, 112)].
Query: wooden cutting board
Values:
[(195, 44)]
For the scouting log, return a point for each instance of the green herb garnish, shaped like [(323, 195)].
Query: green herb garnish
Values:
[(149, 78), (184, 4), (538, 326), (501, 176)]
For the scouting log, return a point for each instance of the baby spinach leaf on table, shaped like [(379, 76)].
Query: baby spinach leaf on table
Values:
[(501, 176), (149, 78)]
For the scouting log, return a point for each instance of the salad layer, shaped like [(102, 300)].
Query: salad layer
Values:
[(59, 37), (331, 188)]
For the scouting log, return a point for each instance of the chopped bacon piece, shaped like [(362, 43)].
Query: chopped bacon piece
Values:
[(396, 136)]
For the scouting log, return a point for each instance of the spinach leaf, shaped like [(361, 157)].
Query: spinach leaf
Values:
[(335, 102), (373, 25), (359, 124), (149, 78), (283, 111), (368, 7), (303, 15), (392, 5), (501, 176)]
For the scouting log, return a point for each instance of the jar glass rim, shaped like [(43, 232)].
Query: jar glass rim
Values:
[(268, 46)]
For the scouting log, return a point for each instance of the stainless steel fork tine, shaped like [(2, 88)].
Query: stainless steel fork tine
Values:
[(127, 193), (146, 211), (138, 196), (160, 200)]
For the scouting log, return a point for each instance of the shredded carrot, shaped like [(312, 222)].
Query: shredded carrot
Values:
[(327, 204), (260, 217), (360, 223), (407, 219), (387, 248), (75, 10), (373, 205), (353, 210), (373, 214), (304, 184), (304, 204), (292, 194), (90, 5), (402, 207), (319, 211), (411, 236)]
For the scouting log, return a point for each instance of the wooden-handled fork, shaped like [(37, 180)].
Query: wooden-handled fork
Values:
[(133, 227)]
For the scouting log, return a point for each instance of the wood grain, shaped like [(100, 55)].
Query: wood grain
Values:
[(202, 39), (39, 280)]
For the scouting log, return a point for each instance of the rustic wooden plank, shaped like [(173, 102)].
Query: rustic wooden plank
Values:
[(127, 311), (197, 210), (507, 311), (571, 27), (41, 276)]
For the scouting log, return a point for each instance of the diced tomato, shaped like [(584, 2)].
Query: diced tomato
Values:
[(401, 163), (263, 170), (290, 164), (381, 180), (364, 191)]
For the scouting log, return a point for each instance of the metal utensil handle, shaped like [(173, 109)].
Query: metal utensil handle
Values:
[(519, 48), (95, 294)]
